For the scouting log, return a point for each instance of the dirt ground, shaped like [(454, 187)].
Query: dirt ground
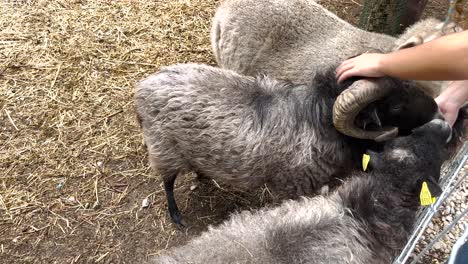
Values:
[(73, 171)]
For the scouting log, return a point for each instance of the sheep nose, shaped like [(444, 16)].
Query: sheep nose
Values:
[(443, 126)]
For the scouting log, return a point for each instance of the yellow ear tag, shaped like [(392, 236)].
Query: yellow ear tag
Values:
[(425, 195), (365, 161)]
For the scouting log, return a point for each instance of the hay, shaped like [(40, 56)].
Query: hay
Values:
[(73, 171)]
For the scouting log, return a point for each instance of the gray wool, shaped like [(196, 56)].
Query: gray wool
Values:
[(311, 230), (292, 39), (198, 118), (251, 131), (366, 220)]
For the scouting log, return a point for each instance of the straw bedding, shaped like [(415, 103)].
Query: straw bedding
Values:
[(73, 171)]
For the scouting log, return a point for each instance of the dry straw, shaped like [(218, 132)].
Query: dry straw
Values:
[(73, 172)]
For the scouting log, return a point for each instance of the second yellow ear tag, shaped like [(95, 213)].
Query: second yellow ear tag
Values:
[(425, 196), (365, 161)]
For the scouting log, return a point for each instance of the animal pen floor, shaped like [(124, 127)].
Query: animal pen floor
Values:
[(73, 171)]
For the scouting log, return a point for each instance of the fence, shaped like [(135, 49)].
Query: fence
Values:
[(449, 184)]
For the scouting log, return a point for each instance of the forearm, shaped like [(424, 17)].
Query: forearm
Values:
[(445, 58)]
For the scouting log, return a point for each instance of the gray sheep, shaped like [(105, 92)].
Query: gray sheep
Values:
[(248, 131), (366, 220), (292, 39)]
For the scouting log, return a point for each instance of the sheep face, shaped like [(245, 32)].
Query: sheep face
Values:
[(407, 107), (421, 149), (402, 106)]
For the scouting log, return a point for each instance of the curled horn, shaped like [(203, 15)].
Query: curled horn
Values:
[(351, 101)]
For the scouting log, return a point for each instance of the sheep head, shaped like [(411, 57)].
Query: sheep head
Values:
[(425, 31), (398, 107), (403, 154)]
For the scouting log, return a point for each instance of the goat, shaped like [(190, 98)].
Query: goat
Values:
[(250, 131), (292, 39), (366, 220)]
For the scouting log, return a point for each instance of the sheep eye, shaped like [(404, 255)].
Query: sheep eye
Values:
[(395, 109)]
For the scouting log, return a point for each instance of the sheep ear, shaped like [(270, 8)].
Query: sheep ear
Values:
[(434, 187), (411, 42), (374, 160), (451, 26)]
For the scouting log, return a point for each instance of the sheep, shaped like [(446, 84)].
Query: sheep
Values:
[(250, 132), (368, 219), (292, 39)]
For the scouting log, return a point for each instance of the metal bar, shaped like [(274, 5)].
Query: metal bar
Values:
[(439, 236), (426, 214), (458, 244)]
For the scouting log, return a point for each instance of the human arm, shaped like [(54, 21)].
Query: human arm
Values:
[(445, 58)]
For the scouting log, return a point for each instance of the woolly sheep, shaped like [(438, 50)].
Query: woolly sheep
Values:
[(366, 220), (250, 131), (292, 39)]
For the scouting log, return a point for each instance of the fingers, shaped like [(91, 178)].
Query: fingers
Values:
[(451, 117), (345, 75), (343, 72), (365, 65), (343, 64), (448, 105), (450, 114)]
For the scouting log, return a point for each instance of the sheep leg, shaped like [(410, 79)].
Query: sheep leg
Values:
[(174, 212)]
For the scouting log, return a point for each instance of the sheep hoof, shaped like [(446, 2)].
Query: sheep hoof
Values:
[(177, 219)]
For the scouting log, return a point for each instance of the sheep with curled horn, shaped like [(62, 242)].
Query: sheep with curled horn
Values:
[(368, 219), (251, 131), (292, 39)]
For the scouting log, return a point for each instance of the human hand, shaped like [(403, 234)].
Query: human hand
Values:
[(449, 110), (366, 65), (452, 99)]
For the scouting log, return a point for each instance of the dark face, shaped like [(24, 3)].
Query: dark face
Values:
[(407, 107), (417, 157)]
